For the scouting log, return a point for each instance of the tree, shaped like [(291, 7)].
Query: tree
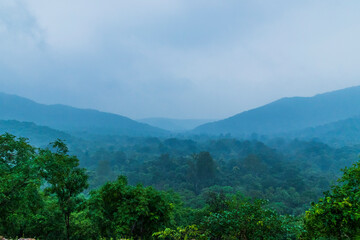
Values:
[(65, 180), (120, 210), (19, 184), (104, 172), (254, 165), (205, 167), (337, 214), (245, 220), (48, 222), (188, 232), (201, 170), (217, 202)]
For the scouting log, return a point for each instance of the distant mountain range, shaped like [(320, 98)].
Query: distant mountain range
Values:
[(72, 120), (175, 125), (332, 117), (289, 115)]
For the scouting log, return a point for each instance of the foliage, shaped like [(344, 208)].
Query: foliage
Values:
[(19, 184), (245, 220), (181, 233), (337, 214), (120, 210), (64, 178), (290, 174), (48, 221), (43, 192), (83, 226)]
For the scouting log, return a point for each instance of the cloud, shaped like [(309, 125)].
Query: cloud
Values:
[(172, 58)]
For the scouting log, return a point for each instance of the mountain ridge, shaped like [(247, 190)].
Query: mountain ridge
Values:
[(289, 114), (173, 124), (72, 119), (338, 133), (37, 135)]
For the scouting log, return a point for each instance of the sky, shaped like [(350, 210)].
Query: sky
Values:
[(177, 58)]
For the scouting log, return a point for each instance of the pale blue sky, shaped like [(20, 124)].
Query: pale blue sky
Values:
[(177, 58)]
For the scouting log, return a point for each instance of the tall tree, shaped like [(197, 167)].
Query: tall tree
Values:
[(65, 180), (19, 183), (201, 170)]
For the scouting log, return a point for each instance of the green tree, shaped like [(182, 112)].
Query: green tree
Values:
[(181, 233), (48, 222), (337, 214), (245, 220), (205, 166), (253, 164), (202, 170), (120, 210), (217, 202), (104, 172), (19, 184), (65, 180)]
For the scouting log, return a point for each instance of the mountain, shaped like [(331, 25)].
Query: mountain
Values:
[(37, 135), (74, 120), (175, 125), (343, 132), (289, 114)]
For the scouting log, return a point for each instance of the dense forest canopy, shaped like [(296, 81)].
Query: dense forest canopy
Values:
[(154, 188)]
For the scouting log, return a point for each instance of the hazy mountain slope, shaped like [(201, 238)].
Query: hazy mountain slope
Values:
[(175, 125), (71, 119), (289, 114), (37, 135), (344, 132)]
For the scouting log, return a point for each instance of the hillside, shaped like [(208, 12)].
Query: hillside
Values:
[(175, 125), (289, 114), (343, 132), (72, 119), (37, 135)]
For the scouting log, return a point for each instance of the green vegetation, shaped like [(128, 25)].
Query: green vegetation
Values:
[(194, 193), (19, 184), (290, 174), (65, 179), (119, 210), (337, 214)]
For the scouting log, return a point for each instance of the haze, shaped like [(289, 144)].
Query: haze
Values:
[(177, 59)]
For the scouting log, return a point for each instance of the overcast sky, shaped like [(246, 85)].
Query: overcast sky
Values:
[(177, 58)]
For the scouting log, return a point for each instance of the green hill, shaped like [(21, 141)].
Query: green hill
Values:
[(344, 132), (37, 135), (70, 119), (289, 114)]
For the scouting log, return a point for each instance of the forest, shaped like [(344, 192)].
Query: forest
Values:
[(178, 188)]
